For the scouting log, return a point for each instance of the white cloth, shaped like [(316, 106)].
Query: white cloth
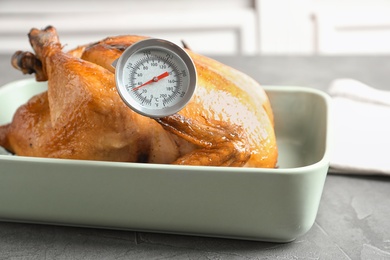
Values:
[(361, 120)]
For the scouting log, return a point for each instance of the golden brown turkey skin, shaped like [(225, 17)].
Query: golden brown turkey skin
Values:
[(229, 121)]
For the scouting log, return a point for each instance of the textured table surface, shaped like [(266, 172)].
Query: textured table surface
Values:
[(352, 221)]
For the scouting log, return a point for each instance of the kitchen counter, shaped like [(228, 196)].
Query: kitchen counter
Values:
[(352, 221)]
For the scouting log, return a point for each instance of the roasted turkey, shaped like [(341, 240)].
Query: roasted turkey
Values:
[(228, 122)]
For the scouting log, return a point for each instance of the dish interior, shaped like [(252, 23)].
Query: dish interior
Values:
[(301, 124)]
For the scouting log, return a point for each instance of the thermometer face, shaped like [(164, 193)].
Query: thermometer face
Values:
[(155, 78)]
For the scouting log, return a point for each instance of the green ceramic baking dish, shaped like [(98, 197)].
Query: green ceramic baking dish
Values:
[(275, 205)]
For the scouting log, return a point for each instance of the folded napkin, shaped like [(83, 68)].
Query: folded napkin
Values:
[(361, 120)]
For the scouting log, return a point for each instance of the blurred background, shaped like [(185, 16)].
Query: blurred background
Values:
[(210, 27)]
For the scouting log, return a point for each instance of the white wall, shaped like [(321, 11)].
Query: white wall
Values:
[(211, 27), (224, 27), (324, 27)]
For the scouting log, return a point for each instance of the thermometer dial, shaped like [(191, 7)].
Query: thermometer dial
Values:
[(155, 78)]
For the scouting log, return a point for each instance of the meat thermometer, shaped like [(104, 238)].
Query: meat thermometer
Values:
[(155, 77)]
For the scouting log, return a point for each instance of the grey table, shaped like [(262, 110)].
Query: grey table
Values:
[(353, 220)]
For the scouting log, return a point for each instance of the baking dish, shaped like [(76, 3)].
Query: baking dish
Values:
[(275, 205)]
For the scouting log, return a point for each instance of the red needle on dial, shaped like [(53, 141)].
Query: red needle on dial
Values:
[(154, 79)]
